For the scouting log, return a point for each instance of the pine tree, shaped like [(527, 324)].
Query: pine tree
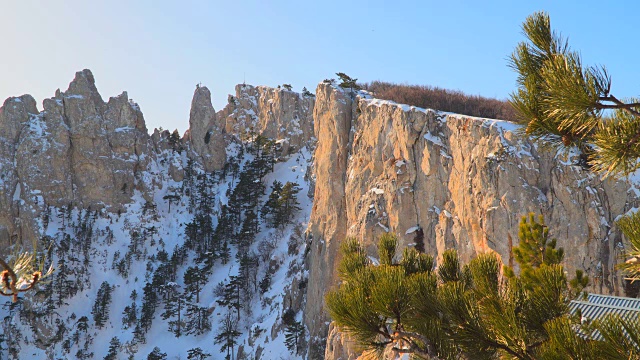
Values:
[(100, 310), (248, 231), (271, 207), (174, 303), (307, 93), (114, 347), (535, 247), (130, 313), (231, 297), (174, 140), (194, 279), (265, 283), (129, 316), (172, 197), (147, 311), (293, 336), (347, 82), (157, 354), (225, 252), (405, 306), (294, 331), (288, 204), (197, 354), (197, 319), (563, 102), (247, 274), (228, 335)]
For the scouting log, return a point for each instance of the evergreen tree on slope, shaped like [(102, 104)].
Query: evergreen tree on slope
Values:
[(405, 306)]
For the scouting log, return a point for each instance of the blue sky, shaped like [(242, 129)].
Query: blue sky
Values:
[(159, 50)]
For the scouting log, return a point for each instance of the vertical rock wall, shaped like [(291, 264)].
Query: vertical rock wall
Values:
[(449, 181), (328, 224)]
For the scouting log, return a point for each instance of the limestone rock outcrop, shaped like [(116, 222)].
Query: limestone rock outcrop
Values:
[(83, 152), (437, 180), (448, 181), (206, 134), (279, 114), (78, 151), (328, 224)]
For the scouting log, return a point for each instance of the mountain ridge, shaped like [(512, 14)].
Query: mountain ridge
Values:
[(439, 180)]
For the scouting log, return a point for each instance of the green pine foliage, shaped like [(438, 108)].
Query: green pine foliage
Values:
[(114, 347), (570, 338), (631, 229), (408, 306), (282, 204), (535, 248), (347, 82), (100, 309), (564, 102), (197, 354), (228, 335), (157, 354)]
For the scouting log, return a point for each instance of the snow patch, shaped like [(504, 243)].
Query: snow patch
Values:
[(412, 230)]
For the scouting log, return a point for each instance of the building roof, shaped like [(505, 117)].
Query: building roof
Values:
[(597, 306)]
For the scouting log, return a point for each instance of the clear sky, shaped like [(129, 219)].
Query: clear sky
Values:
[(159, 50)]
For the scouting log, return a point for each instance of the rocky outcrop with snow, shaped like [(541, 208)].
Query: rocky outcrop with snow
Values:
[(276, 113), (110, 202), (205, 133), (448, 181), (79, 150), (438, 180)]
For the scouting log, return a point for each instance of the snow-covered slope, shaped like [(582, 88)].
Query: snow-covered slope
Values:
[(126, 251)]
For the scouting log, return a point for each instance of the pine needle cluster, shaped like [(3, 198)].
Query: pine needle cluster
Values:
[(566, 104), (406, 305)]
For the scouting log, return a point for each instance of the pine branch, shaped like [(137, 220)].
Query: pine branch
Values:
[(7, 274), (618, 105), (10, 280), (428, 350)]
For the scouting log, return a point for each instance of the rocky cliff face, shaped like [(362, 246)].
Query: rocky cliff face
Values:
[(78, 151), (206, 133), (437, 180), (448, 181), (279, 114), (83, 152), (85, 176)]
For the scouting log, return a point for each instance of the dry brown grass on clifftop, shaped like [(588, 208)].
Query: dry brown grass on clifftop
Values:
[(441, 99)]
